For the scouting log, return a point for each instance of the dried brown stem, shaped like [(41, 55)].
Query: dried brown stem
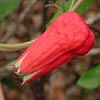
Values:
[(92, 27)]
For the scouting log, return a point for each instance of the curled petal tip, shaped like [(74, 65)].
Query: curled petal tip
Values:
[(18, 72), (23, 83)]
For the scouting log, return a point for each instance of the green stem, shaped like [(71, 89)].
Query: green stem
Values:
[(16, 46), (50, 5), (53, 5), (71, 6), (76, 5)]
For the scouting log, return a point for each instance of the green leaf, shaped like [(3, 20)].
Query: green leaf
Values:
[(84, 5), (3, 21), (90, 79), (82, 8), (66, 5), (7, 6), (59, 12)]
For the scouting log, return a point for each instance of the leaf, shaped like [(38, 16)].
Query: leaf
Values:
[(90, 79), (84, 5), (66, 5), (82, 8), (3, 21), (65, 8), (7, 6), (59, 12)]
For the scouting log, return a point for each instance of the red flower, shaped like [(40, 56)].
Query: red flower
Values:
[(67, 37)]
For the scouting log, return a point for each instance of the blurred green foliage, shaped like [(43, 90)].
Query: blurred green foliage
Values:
[(84, 5), (90, 79), (9, 81), (6, 8)]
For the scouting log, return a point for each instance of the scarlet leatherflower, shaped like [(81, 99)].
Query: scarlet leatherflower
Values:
[(67, 37)]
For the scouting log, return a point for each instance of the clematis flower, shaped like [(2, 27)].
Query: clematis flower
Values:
[(67, 37)]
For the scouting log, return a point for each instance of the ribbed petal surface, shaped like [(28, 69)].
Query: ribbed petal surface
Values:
[(68, 36)]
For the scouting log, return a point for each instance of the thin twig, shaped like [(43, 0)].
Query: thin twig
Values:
[(92, 27), (94, 51), (19, 21), (93, 18), (76, 5), (44, 15), (14, 47)]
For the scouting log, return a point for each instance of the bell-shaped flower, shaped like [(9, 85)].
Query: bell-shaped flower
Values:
[(67, 37)]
